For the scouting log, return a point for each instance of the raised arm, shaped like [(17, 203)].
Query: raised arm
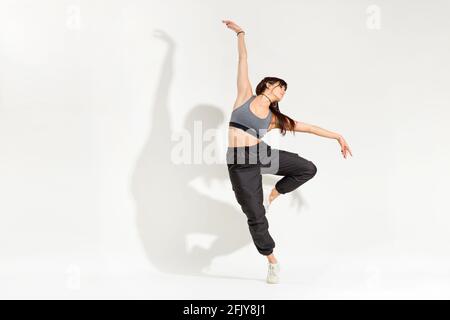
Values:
[(244, 87)]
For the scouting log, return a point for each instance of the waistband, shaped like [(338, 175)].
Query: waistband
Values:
[(255, 154)]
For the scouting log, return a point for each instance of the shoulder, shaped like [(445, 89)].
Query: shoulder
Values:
[(243, 98)]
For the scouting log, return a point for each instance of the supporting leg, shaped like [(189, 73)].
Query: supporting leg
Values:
[(247, 185)]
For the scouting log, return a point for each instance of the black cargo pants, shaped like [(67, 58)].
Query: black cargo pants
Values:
[(246, 166)]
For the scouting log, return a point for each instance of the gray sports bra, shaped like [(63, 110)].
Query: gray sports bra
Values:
[(243, 118)]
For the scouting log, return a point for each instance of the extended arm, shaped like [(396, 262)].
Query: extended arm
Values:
[(310, 128)]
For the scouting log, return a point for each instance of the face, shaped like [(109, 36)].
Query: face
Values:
[(277, 90)]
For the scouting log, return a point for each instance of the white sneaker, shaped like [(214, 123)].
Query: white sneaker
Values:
[(273, 273), (266, 200)]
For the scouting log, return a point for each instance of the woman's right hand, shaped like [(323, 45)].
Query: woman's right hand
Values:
[(231, 25)]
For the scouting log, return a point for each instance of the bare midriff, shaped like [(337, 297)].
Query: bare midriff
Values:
[(239, 138)]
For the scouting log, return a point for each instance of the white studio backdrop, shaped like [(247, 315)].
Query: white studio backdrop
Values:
[(94, 95)]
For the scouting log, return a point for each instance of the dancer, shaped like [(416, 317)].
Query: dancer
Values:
[(248, 156)]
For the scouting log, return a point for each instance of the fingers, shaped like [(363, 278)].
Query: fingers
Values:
[(229, 23), (347, 149)]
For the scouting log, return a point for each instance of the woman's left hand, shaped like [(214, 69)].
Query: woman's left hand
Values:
[(344, 147)]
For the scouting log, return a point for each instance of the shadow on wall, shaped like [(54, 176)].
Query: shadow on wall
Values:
[(168, 208)]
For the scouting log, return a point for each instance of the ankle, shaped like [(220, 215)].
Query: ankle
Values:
[(271, 259)]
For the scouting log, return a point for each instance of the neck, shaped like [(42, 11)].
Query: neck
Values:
[(267, 100)]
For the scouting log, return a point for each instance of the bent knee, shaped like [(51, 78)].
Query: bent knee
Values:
[(311, 169)]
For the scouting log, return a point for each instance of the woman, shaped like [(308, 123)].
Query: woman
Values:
[(248, 156)]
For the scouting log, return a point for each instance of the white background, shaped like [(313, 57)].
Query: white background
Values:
[(93, 94)]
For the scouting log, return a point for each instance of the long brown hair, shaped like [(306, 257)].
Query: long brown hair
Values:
[(284, 122)]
